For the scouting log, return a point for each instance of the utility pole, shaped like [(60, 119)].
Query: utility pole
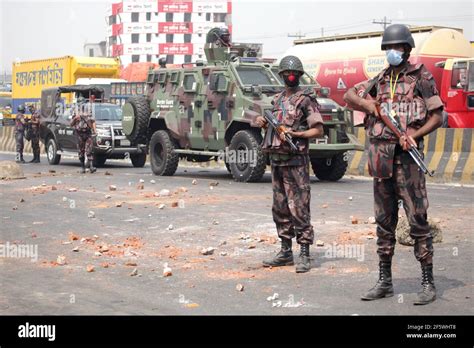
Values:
[(298, 35), (384, 22)]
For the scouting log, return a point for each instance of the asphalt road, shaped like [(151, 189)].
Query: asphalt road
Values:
[(49, 211)]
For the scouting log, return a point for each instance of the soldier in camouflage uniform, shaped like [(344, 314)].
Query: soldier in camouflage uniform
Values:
[(35, 136), (84, 124), (20, 126), (297, 109), (224, 38), (409, 90)]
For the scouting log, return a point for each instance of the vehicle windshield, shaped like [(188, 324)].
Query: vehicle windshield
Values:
[(256, 75), (107, 112)]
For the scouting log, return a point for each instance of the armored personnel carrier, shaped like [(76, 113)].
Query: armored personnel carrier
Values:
[(205, 111)]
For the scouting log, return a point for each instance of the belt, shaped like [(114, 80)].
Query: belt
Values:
[(280, 156)]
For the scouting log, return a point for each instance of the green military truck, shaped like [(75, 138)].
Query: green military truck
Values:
[(205, 111)]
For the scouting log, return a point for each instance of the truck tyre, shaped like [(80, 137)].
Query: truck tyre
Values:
[(136, 114), (163, 159), (248, 140), (99, 160), (138, 160), (330, 169), (52, 152)]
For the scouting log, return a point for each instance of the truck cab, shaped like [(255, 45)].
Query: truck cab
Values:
[(457, 91)]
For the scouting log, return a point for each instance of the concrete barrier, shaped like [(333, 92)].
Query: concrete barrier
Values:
[(449, 152), (7, 141)]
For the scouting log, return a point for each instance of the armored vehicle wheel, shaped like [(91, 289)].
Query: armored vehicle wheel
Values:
[(99, 160), (330, 169), (52, 152), (163, 159), (138, 160), (136, 114), (247, 141)]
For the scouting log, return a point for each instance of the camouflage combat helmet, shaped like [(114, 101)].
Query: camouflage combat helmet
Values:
[(21, 108), (397, 34), (290, 63)]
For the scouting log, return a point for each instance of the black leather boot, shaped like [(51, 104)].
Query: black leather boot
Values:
[(83, 166), (37, 159), (304, 263), (283, 258), (92, 169), (428, 293), (33, 160), (383, 287)]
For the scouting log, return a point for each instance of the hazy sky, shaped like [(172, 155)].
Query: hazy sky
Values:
[(39, 29)]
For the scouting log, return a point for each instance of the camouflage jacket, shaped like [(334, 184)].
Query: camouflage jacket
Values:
[(298, 112), (414, 98), (35, 121), (82, 122), (20, 123)]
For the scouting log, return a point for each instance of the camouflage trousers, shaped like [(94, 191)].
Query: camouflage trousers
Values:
[(85, 146), (35, 144), (291, 203), (20, 144), (407, 186)]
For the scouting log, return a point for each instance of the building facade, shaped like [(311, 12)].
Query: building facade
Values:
[(146, 30)]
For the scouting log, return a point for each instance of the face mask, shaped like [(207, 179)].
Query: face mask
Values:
[(394, 57), (291, 80)]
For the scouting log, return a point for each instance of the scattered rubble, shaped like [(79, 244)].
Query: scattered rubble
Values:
[(112, 188), (207, 251), (164, 193), (167, 271), (61, 260), (90, 268), (239, 287)]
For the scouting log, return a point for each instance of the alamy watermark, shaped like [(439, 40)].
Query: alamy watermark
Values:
[(243, 156), (17, 251), (345, 251)]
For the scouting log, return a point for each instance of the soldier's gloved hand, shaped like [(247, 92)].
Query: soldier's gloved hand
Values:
[(261, 122)]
